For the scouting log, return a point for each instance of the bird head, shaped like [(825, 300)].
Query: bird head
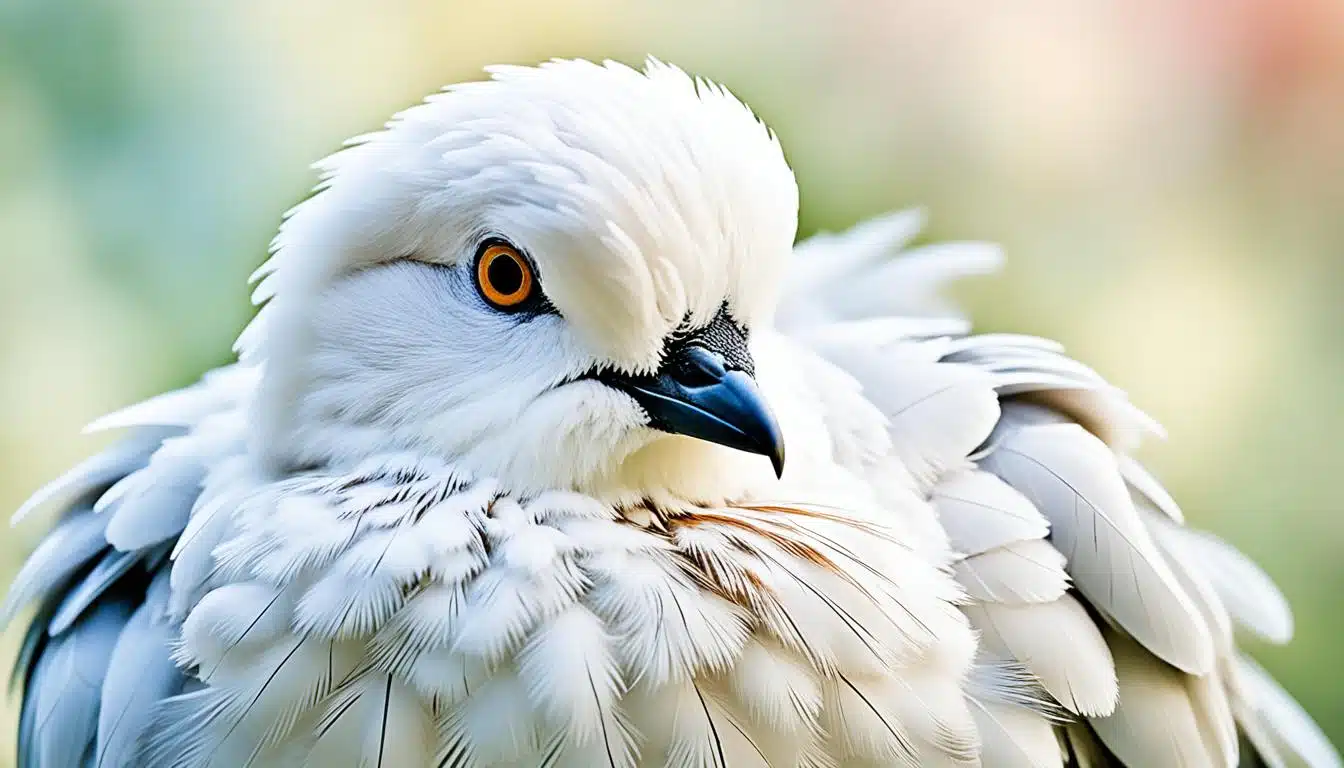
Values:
[(551, 278)]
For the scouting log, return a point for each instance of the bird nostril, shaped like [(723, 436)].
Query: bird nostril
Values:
[(695, 366)]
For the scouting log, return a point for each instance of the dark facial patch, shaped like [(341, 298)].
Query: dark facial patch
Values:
[(722, 335), (704, 388)]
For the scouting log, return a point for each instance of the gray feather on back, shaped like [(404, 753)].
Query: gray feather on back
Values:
[(67, 685), (112, 567), (95, 662), (140, 674), (68, 548)]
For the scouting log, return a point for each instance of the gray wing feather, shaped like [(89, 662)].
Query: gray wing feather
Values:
[(66, 550), (67, 685), (97, 471), (27, 757), (140, 674), (94, 610), (34, 640), (160, 511), (112, 567)]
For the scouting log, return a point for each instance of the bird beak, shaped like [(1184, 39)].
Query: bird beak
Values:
[(696, 395)]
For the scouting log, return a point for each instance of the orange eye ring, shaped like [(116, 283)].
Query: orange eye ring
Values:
[(504, 276)]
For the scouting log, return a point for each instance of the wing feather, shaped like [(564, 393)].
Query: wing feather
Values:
[(825, 259), (1278, 721), (1149, 488), (112, 567), (1155, 722), (66, 686), (96, 472), (937, 413), (981, 512), (1164, 598), (1014, 737), (1196, 583), (157, 507), (1058, 643), (1021, 572), (59, 556), (140, 673), (1072, 477), (1252, 599)]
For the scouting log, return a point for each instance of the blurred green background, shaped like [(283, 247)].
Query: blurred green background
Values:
[(1166, 175)]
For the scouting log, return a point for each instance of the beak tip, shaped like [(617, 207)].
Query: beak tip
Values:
[(724, 407)]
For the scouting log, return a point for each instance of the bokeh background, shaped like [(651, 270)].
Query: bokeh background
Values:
[(1166, 175)]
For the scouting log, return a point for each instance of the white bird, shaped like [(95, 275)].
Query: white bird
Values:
[(499, 480)]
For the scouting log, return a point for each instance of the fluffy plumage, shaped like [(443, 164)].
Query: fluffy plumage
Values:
[(409, 529)]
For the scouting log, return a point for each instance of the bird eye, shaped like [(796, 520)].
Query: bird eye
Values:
[(504, 276)]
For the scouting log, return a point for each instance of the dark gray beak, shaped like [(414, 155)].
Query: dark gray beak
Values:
[(695, 393)]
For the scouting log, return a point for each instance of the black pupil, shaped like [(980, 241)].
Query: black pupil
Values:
[(505, 274)]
